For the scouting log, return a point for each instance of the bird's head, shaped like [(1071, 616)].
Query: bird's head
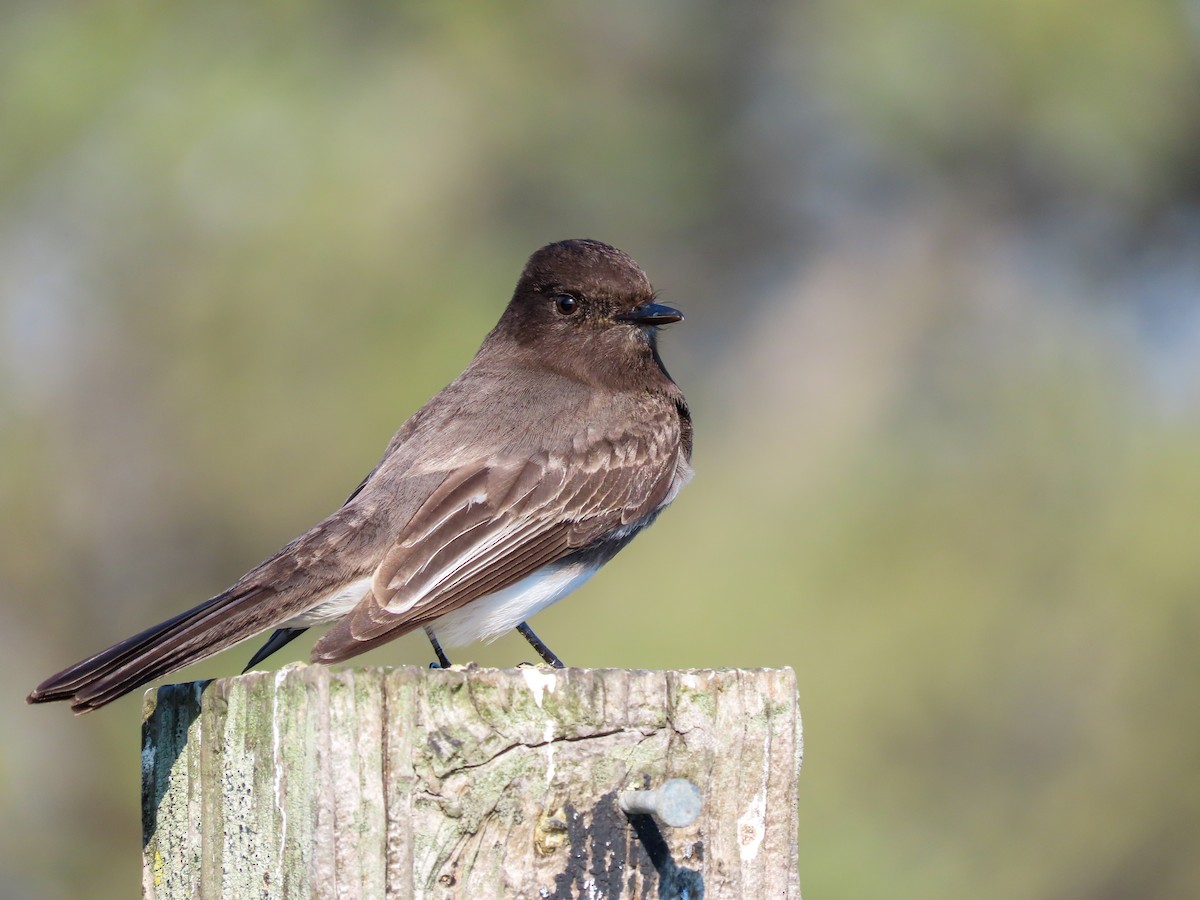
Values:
[(588, 308)]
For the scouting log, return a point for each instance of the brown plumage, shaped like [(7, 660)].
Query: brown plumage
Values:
[(560, 441)]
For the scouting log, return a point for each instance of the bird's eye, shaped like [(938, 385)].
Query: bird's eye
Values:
[(565, 304)]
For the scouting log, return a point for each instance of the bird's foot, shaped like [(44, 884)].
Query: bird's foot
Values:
[(443, 661), (548, 656)]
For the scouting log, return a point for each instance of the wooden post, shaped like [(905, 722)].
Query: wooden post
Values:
[(473, 783)]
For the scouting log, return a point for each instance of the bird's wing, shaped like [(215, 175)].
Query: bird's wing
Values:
[(493, 522)]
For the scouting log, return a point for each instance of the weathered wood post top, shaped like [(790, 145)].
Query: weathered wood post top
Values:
[(313, 782)]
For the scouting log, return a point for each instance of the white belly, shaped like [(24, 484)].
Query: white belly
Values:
[(489, 617)]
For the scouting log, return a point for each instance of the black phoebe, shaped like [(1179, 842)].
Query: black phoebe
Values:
[(564, 438)]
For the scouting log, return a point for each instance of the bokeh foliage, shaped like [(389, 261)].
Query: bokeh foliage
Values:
[(941, 265)]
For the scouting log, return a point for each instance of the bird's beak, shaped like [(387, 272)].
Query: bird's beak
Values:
[(651, 314)]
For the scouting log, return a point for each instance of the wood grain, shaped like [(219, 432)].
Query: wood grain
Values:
[(313, 782)]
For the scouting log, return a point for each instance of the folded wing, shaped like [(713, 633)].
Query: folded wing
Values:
[(492, 523)]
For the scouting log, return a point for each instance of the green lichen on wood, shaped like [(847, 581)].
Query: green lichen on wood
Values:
[(311, 782)]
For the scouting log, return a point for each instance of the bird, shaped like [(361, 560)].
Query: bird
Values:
[(563, 439)]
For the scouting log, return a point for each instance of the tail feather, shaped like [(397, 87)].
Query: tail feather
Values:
[(201, 631)]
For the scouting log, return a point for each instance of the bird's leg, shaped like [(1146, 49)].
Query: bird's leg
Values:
[(443, 662), (543, 651)]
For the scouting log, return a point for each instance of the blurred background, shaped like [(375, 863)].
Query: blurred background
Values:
[(941, 268)]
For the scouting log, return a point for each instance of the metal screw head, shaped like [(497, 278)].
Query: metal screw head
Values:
[(676, 803)]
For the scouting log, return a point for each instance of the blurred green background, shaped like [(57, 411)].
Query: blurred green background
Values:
[(941, 267)]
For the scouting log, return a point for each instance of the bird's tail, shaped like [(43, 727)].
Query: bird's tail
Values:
[(202, 631)]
